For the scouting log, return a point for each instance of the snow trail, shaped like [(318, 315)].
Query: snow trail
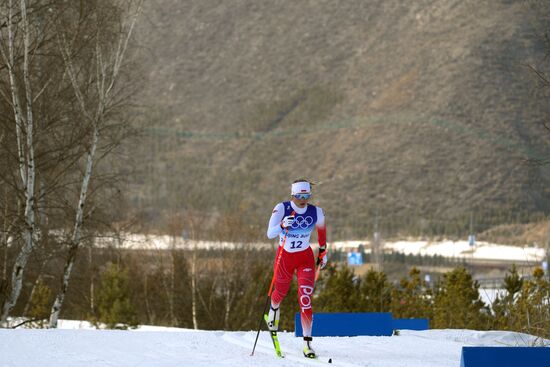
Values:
[(180, 347)]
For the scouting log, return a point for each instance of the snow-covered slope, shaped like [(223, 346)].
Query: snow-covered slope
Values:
[(447, 248), (78, 347), (458, 249)]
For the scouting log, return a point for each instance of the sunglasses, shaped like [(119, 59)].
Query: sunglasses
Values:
[(302, 196)]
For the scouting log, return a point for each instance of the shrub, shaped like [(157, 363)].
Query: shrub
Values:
[(457, 303), (114, 305)]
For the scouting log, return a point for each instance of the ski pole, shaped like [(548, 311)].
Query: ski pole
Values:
[(317, 271), (268, 297), (277, 261)]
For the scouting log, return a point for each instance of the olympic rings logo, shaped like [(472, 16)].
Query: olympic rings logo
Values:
[(302, 222)]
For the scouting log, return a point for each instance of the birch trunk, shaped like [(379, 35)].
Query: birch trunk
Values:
[(26, 154), (76, 236), (7, 238)]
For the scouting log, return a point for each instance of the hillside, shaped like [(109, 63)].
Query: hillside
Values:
[(417, 113)]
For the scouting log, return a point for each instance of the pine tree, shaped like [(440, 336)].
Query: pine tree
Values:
[(504, 318), (375, 292), (531, 311), (41, 301), (412, 298), (114, 304), (457, 303), (339, 291), (512, 281)]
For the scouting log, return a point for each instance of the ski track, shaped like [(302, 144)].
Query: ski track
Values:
[(246, 341), (180, 347)]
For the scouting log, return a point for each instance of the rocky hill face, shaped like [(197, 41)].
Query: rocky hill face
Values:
[(410, 115)]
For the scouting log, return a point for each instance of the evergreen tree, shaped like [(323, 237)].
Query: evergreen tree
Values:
[(531, 311), (412, 298), (114, 304), (41, 302), (503, 306), (457, 303), (512, 281), (375, 292), (339, 291)]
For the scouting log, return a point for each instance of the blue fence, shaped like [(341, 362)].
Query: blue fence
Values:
[(355, 324), (411, 324), (504, 356)]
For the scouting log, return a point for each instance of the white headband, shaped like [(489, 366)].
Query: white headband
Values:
[(300, 188)]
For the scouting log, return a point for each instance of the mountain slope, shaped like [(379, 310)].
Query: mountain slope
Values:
[(415, 113)]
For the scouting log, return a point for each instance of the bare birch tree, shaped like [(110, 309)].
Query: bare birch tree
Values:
[(28, 109), (24, 126), (107, 60)]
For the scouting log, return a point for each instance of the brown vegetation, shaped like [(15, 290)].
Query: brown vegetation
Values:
[(421, 112)]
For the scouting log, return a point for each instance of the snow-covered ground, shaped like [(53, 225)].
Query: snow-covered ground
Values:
[(154, 346), (489, 295)]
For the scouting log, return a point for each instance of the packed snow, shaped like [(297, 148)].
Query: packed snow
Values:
[(75, 344), (462, 249)]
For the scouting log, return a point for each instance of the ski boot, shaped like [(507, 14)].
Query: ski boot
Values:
[(308, 350), (272, 319)]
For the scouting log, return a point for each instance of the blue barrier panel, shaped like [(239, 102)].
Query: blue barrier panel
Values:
[(504, 356), (411, 324), (348, 324)]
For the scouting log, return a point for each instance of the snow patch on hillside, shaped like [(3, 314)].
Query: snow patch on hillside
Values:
[(447, 248), (458, 249)]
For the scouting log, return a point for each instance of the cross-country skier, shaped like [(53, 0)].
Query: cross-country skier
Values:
[(293, 221)]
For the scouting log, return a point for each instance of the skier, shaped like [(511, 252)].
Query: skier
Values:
[(293, 221)]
